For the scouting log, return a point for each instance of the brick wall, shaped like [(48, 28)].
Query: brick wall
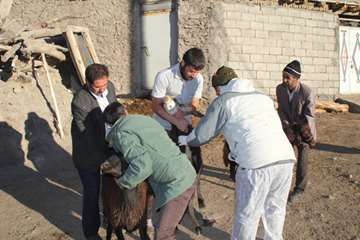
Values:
[(258, 41)]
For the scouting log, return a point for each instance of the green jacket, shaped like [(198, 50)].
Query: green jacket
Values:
[(151, 155)]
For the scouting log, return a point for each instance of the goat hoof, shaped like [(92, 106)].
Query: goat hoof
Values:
[(198, 230), (208, 222)]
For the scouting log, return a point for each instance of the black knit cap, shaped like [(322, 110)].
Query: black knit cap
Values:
[(293, 68)]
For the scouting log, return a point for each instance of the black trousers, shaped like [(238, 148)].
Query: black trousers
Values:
[(90, 180), (302, 166)]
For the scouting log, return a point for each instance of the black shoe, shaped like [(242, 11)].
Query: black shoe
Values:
[(295, 196)]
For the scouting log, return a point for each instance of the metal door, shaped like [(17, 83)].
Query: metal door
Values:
[(349, 60), (159, 33)]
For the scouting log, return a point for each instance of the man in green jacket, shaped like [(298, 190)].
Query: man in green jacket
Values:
[(152, 155)]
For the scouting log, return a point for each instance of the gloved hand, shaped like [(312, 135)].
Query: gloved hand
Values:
[(182, 140)]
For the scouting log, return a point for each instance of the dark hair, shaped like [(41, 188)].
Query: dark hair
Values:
[(194, 57), (113, 112), (96, 71)]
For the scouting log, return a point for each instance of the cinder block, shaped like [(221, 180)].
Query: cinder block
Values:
[(248, 17), (275, 19), (269, 59), (318, 46), (300, 52), (270, 83), (299, 36), (233, 32), (268, 10), (287, 36), (282, 11), (262, 75), (257, 26), (257, 58), (306, 14), (277, 76), (275, 35), (320, 69), (307, 60), (273, 67), (275, 50), (261, 18), (262, 34), (283, 59), (297, 29), (286, 20), (306, 45), (235, 48), (288, 51), (249, 74), (311, 53), (299, 21), (270, 42), (330, 46), (321, 61), (241, 65), (308, 68), (249, 49), (258, 83), (233, 15), (295, 44), (260, 66)]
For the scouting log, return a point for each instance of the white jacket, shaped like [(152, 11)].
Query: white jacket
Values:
[(250, 124)]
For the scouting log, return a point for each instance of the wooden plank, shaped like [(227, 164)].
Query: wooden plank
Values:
[(75, 55), (10, 53), (40, 46), (81, 49), (57, 112)]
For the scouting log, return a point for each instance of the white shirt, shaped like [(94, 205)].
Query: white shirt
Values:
[(170, 82), (102, 99)]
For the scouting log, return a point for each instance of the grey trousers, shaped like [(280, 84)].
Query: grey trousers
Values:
[(170, 215)]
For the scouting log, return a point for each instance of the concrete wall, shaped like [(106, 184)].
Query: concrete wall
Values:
[(114, 27), (258, 41)]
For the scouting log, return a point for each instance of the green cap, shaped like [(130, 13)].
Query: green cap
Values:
[(223, 76)]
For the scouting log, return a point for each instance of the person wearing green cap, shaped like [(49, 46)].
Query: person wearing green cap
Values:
[(265, 158), (297, 113)]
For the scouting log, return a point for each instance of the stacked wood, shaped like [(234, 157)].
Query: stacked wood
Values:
[(330, 106)]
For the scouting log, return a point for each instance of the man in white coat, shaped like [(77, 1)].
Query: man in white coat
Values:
[(258, 145)]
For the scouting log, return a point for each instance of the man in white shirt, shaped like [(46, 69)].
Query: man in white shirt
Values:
[(183, 82)]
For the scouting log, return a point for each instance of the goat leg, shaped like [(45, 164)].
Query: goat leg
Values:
[(109, 231), (191, 211), (119, 234), (143, 228)]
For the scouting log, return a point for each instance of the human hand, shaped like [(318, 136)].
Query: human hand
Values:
[(182, 125), (182, 140)]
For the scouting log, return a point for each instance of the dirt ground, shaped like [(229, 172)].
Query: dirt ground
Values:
[(40, 192)]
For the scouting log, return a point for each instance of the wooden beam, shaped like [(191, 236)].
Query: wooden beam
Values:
[(10, 53), (76, 55), (57, 112)]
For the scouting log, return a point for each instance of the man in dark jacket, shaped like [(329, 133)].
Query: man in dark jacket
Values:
[(297, 113), (88, 139)]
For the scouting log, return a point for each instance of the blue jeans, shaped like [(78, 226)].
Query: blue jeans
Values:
[(90, 180)]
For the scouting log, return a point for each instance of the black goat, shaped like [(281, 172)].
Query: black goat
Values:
[(123, 208)]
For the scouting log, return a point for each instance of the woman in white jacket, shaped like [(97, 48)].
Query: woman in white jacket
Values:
[(258, 145)]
